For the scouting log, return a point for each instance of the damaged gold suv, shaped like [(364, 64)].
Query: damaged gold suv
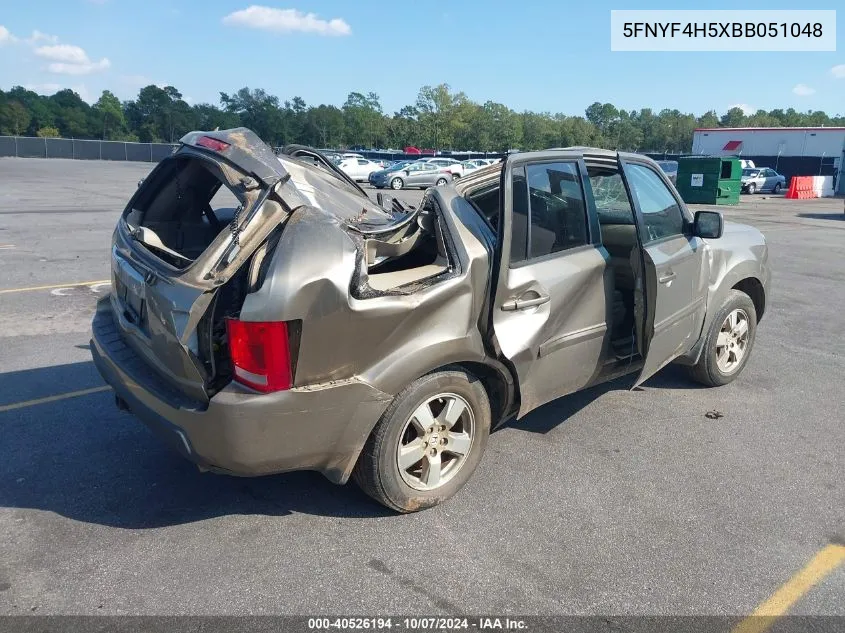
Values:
[(265, 315)]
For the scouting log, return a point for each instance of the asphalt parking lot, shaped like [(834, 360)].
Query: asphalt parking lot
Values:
[(610, 502)]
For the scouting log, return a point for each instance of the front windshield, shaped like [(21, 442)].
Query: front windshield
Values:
[(752, 173)]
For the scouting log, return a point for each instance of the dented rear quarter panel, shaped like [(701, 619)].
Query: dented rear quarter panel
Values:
[(317, 275)]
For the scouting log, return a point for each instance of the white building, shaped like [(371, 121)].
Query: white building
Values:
[(793, 151), (770, 141)]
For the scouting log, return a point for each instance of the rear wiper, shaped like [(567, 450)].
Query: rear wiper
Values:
[(149, 238)]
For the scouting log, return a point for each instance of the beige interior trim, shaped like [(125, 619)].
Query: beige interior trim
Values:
[(386, 281)]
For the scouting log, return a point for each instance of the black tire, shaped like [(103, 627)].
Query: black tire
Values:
[(440, 182), (397, 183), (752, 189), (777, 188), (377, 472), (707, 370)]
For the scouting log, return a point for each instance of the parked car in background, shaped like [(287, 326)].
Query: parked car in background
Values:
[(399, 164), (469, 166), (358, 168), (670, 168), (307, 327), (762, 179), (452, 165), (331, 155), (419, 174), (377, 178), (480, 162)]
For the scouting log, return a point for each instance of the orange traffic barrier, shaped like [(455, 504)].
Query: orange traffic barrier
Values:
[(801, 187), (806, 188), (792, 192)]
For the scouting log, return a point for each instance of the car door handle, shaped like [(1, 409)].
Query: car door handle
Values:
[(525, 304), (665, 279)]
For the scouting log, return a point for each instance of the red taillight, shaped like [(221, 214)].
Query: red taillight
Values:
[(212, 143), (260, 353)]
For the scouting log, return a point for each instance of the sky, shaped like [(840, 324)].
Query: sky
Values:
[(540, 55)]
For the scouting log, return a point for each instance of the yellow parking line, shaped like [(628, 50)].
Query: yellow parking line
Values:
[(61, 396), (65, 285), (828, 559)]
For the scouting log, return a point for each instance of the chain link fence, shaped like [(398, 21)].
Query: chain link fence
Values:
[(29, 147), (34, 147)]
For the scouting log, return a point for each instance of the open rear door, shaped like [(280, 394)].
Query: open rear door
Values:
[(549, 302), (669, 305)]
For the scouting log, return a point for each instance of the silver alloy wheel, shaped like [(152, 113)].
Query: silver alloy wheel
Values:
[(732, 341), (752, 188), (396, 183), (435, 442), (440, 182)]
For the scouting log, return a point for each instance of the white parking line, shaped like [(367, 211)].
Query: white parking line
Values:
[(89, 284), (56, 398)]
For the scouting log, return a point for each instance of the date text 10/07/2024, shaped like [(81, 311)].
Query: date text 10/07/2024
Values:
[(417, 624)]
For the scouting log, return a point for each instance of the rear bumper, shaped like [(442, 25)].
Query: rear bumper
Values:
[(238, 431)]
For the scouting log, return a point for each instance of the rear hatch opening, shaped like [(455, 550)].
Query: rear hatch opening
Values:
[(184, 205), (183, 254)]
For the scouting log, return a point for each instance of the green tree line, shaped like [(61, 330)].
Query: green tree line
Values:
[(439, 118)]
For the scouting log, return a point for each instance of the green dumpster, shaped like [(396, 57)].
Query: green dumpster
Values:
[(709, 179)]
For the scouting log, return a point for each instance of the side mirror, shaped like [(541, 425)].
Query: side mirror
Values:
[(708, 225), (407, 172)]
